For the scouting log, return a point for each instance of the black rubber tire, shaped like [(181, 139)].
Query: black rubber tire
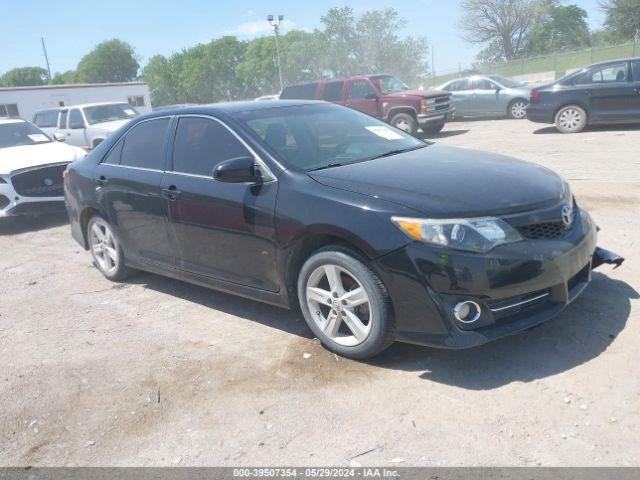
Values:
[(509, 108), (581, 126), (383, 329), (433, 128), (122, 271), (410, 120)]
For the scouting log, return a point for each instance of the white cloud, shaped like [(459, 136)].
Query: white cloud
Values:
[(259, 27)]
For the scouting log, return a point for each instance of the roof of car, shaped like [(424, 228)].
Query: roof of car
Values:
[(341, 79), (4, 121), (95, 104), (232, 107), (630, 59)]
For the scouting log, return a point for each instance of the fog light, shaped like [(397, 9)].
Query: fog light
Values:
[(467, 311)]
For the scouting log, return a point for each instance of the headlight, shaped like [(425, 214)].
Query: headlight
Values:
[(428, 104), (470, 234)]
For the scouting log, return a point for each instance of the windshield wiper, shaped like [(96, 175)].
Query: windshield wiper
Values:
[(331, 165), (396, 152)]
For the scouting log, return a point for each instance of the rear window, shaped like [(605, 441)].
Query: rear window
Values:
[(304, 91), (333, 91), (144, 145), (46, 119)]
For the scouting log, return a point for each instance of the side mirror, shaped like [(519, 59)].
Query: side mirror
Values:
[(371, 96), (237, 170), (59, 137)]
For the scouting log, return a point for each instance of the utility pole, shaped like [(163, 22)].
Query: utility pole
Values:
[(433, 63), (276, 30), (46, 58)]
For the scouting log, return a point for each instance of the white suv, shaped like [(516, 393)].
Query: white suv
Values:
[(87, 125)]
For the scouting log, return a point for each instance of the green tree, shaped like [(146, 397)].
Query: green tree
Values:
[(159, 74), (64, 78), (622, 19), (558, 27), (370, 44), (24, 77), (110, 61)]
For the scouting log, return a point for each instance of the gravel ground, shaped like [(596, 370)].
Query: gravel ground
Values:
[(159, 372)]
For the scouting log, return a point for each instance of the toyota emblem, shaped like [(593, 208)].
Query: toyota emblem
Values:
[(567, 215)]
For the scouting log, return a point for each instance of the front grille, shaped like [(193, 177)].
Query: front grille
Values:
[(442, 103), (540, 231), (547, 230), (40, 182), (4, 201), (506, 308)]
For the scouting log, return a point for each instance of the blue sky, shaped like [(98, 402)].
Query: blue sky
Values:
[(72, 27)]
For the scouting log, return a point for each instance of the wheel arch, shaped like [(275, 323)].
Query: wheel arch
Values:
[(307, 245), (85, 216), (404, 109), (95, 141)]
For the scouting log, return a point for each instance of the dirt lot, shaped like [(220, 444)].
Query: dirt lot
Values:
[(158, 372)]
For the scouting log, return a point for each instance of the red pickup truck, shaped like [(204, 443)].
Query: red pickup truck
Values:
[(381, 96)]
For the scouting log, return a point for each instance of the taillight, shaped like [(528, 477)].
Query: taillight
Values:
[(534, 96), (65, 175)]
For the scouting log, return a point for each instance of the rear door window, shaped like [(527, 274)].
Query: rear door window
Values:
[(484, 84), (46, 119), (605, 74), (202, 143), (304, 91), (458, 85), (333, 91), (359, 89), (113, 157), (144, 145)]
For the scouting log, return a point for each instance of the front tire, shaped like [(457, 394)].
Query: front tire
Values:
[(571, 119), (433, 128), (517, 109), (406, 122), (106, 250), (345, 304)]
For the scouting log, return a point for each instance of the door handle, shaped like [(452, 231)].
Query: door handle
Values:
[(171, 193), (587, 92), (102, 180)]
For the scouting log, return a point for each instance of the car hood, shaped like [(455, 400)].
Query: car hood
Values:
[(26, 156), (440, 182), (109, 126), (417, 93)]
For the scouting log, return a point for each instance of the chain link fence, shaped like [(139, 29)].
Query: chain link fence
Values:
[(560, 62)]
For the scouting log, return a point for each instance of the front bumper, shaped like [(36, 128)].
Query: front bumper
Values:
[(438, 116), (517, 286), (12, 204)]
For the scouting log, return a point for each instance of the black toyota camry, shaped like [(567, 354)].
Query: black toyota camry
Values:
[(373, 234)]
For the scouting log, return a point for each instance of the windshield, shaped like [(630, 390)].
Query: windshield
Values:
[(109, 113), (388, 84), (505, 81), (313, 137), (21, 133)]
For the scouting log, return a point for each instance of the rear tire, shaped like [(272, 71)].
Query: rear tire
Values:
[(406, 122), (517, 109), (345, 304), (106, 250), (433, 128), (571, 119)]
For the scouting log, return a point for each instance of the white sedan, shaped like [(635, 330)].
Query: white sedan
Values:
[(31, 169)]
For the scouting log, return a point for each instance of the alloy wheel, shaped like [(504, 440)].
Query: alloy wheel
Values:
[(339, 305), (402, 125), (103, 247), (570, 119), (519, 110)]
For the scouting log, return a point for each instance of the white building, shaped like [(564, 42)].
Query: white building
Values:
[(24, 102)]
